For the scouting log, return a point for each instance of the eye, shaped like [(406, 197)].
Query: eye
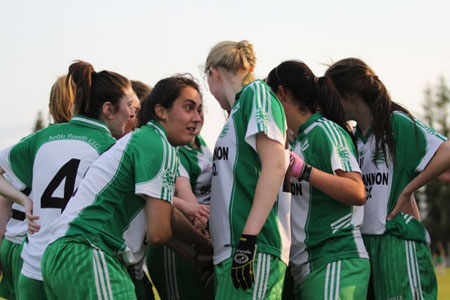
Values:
[(189, 107)]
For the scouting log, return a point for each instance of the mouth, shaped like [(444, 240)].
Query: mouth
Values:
[(191, 129)]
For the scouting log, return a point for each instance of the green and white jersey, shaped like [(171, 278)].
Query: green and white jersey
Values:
[(415, 146), (52, 162), (236, 169), (196, 165), (323, 229), (112, 195)]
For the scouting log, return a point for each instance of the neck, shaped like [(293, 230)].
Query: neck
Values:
[(232, 85), (363, 118), (299, 119)]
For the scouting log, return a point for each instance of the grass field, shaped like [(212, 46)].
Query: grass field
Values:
[(443, 286)]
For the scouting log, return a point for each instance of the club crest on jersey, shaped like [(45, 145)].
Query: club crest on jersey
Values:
[(168, 179), (343, 154), (380, 159), (224, 130)]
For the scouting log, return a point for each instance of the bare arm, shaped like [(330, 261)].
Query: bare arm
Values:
[(158, 220), (346, 187), (186, 201), (5, 215), (438, 165), (271, 154)]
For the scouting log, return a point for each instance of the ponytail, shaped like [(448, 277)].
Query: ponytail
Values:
[(94, 89)]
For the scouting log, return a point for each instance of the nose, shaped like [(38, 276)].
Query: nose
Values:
[(197, 116)]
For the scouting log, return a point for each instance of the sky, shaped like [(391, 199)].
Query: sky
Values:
[(407, 43)]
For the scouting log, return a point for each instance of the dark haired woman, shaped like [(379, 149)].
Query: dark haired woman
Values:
[(397, 155), (328, 259), (52, 161), (131, 182)]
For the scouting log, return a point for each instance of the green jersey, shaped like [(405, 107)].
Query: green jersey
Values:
[(385, 179), (236, 169), (324, 230), (196, 165), (52, 163), (111, 196)]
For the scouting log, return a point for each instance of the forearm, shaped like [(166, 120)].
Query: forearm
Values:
[(438, 165), (350, 191), (5, 214), (266, 192), (11, 193)]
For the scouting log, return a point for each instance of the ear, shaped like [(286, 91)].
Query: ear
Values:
[(281, 93), (214, 73), (160, 111), (108, 110)]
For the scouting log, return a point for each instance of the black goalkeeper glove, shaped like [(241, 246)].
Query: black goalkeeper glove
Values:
[(242, 267)]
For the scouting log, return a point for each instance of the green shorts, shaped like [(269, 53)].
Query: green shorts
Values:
[(269, 277), (346, 279), (400, 269), (72, 269), (31, 289), (11, 266), (288, 288), (174, 277)]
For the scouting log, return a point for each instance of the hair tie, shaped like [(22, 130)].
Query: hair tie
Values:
[(316, 80), (375, 77), (251, 68)]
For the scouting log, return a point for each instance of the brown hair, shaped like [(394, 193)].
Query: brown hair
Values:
[(233, 57), (62, 97), (315, 94), (353, 76), (141, 89), (165, 92), (93, 89)]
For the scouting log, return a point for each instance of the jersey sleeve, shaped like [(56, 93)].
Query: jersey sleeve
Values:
[(184, 167), (265, 114), (155, 170), (416, 142), (342, 152), (17, 161)]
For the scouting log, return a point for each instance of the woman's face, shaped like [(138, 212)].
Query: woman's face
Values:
[(124, 113), (131, 124), (215, 85), (184, 119)]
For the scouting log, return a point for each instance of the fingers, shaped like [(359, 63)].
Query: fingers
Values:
[(32, 226)]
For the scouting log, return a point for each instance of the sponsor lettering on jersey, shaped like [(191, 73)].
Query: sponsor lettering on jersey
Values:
[(296, 188), (371, 179), (206, 189), (71, 136), (220, 153)]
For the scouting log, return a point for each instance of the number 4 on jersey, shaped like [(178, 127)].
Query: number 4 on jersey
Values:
[(69, 172)]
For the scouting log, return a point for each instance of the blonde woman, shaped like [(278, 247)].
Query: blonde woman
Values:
[(248, 220)]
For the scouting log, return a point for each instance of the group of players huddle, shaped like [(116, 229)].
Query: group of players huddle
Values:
[(126, 182)]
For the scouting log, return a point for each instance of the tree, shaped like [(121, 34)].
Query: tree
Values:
[(436, 194)]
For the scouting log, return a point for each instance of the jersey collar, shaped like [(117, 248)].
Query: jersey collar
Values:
[(308, 122), (238, 95), (159, 127), (89, 122), (360, 136)]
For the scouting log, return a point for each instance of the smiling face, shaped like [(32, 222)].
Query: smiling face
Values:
[(184, 119), (121, 113)]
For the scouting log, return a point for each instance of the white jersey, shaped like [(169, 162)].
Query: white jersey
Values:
[(52, 162)]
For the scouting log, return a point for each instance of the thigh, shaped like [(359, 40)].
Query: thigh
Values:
[(346, 279), (269, 277), (74, 270), (11, 265), (401, 268)]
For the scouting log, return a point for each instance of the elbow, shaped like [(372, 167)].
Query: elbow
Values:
[(159, 237), (359, 197)]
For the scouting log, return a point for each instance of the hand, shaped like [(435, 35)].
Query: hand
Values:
[(197, 211), (32, 226), (201, 227), (406, 203), (242, 268), (296, 165)]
